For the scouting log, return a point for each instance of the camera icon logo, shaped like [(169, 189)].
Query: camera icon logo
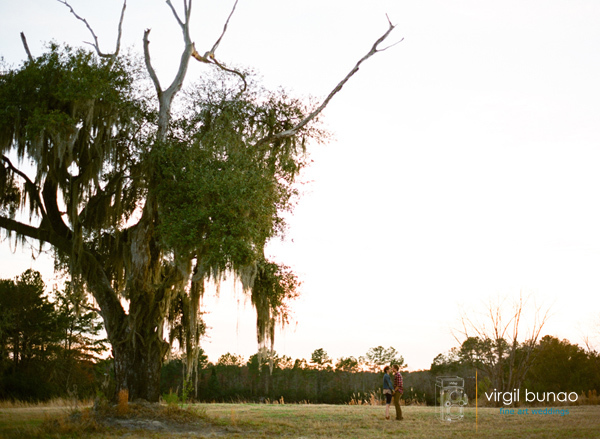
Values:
[(450, 398)]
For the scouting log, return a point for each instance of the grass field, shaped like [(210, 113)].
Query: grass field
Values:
[(299, 421)]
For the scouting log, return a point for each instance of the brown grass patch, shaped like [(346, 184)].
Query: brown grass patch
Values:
[(137, 420)]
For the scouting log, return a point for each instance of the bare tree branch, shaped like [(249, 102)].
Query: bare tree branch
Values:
[(120, 29), (95, 44), (292, 131), (149, 66), (26, 46), (235, 72), (209, 57), (165, 97), (508, 359), (37, 233), (214, 48), (187, 11), (175, 12)]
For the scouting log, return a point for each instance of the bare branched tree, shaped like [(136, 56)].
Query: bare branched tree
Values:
[(96, 44), (502, 342)]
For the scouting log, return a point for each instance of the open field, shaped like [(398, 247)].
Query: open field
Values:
[(304, 421), (18, 420)]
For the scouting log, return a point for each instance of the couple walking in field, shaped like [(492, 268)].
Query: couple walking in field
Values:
[(394, 391)]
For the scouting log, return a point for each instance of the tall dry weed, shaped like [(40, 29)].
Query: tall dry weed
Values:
[(589, 398), (371, 398)]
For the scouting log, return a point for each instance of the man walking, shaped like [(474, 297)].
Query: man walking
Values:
[(398, 391)]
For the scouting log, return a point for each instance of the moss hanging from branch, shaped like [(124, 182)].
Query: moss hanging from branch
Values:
[(273, 289)]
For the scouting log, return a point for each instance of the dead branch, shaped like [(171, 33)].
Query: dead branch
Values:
[(148, 62), (120, 29), (96, 44), (214, 48), (26, 46), (165, 97), (292, 131), (187, 10), (500, 327), (185, 28), (209, 57)]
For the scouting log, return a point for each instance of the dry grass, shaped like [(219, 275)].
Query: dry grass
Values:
[(369, 398), (104, 421), (590, 397), (308, 421), (56, 402), (27, 419), (367, 421)]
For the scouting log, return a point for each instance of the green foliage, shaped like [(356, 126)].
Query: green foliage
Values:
[(82, 343), (275, 286), (230, 360), (46, 348), (347, 364), (320, 359), (219, 209), (82, 324), (29, 326), (563, 367), (214, 386), (221, 193), (378, 357), (446, 364), (70, 113), (186, 391), (170, 398)]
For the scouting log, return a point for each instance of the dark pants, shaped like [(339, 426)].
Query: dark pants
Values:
[(397, 397)]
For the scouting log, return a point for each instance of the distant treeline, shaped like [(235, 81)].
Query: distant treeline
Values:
[(51, 346), (557, 366), (297, 383)]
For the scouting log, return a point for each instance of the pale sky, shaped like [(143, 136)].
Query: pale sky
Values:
[(464, 163)]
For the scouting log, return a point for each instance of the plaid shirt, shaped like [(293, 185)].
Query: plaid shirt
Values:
[(398, 383)]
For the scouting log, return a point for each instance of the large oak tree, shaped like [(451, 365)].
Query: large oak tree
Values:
[(143, 204)]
